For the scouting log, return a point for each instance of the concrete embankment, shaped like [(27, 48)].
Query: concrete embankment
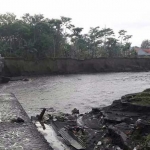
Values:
[(1, 66), (18, 67), (16, 129)]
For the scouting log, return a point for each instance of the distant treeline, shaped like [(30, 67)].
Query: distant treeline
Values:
[(37, 37)]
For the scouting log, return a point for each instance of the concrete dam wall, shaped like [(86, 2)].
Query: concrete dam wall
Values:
[(17, 67)]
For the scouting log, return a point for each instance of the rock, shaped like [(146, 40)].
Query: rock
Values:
[(75, 111), (122, 125), (99, 143), (147, 90), (118, 148), (20, 78), (25, 79), (104, 127), (93, 122), (96, 110), (17, 120), (119, 138), (51, 109), (34, 119), (107, 141), (125, 128), (113, 118), (16, 78), (60, 118), (138, 147), (140, 123), (54, 119), (46, 118)]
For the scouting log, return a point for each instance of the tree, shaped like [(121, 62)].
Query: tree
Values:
[(34, 36), (145, 44), (57, 35), (122, 35), (111, 46), (107, 32), (95, 35), (75, 39), (124, 42)]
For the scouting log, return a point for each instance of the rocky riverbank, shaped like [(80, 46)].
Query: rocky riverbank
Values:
[(125, 124)]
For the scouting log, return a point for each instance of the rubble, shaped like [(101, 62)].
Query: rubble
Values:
[(124, 125)]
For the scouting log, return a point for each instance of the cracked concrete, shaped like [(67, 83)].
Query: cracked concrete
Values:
[(17, 132)]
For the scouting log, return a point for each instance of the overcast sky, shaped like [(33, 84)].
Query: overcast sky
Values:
[(130, 15)]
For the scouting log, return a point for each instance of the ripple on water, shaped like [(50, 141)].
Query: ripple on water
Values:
[(63, 93)]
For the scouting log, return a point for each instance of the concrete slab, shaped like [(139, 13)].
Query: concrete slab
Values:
[(17, 132), (11, 109)]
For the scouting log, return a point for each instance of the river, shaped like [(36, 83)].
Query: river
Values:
[(62, 93)]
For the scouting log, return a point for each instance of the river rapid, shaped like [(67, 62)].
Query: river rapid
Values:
[(62, 93)]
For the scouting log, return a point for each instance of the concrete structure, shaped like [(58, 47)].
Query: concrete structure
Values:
[(1, 64), (17, 132)]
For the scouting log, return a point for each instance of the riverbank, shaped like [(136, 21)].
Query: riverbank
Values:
[(19, 67), (123, 125)]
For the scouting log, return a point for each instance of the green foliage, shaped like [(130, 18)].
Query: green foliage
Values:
[(142, 99), (39, 37), (145, 44)]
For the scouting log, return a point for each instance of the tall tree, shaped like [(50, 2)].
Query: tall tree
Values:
[(122, 35), (95, 35), (124, 42), (111, 46), (145, 44)]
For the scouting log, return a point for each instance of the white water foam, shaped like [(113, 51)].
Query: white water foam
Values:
[(51, 137)]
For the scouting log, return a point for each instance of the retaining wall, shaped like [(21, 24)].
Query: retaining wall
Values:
[(17, 67)]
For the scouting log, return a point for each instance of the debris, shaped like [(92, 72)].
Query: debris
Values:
[(99, 143), (40, 118), (75, 111), (17, 120), (74, 143), (119, 126)]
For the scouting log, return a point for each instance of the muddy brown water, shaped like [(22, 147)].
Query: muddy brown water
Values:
[(62, 93)]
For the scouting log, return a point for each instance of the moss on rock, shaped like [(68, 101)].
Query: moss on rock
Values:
[(142, 99)]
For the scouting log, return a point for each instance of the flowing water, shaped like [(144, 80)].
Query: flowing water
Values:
[(62, 93)]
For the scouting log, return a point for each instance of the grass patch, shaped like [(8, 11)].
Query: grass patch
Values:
[(142, 99)]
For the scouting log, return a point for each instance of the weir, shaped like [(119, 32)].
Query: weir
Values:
[(16, 129)]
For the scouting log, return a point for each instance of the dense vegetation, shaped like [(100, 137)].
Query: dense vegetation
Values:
[(38, 37)]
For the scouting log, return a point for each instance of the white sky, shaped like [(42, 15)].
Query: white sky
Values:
[(130, 15)]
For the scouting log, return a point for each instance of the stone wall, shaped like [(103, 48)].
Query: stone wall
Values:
[(17, 67)]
